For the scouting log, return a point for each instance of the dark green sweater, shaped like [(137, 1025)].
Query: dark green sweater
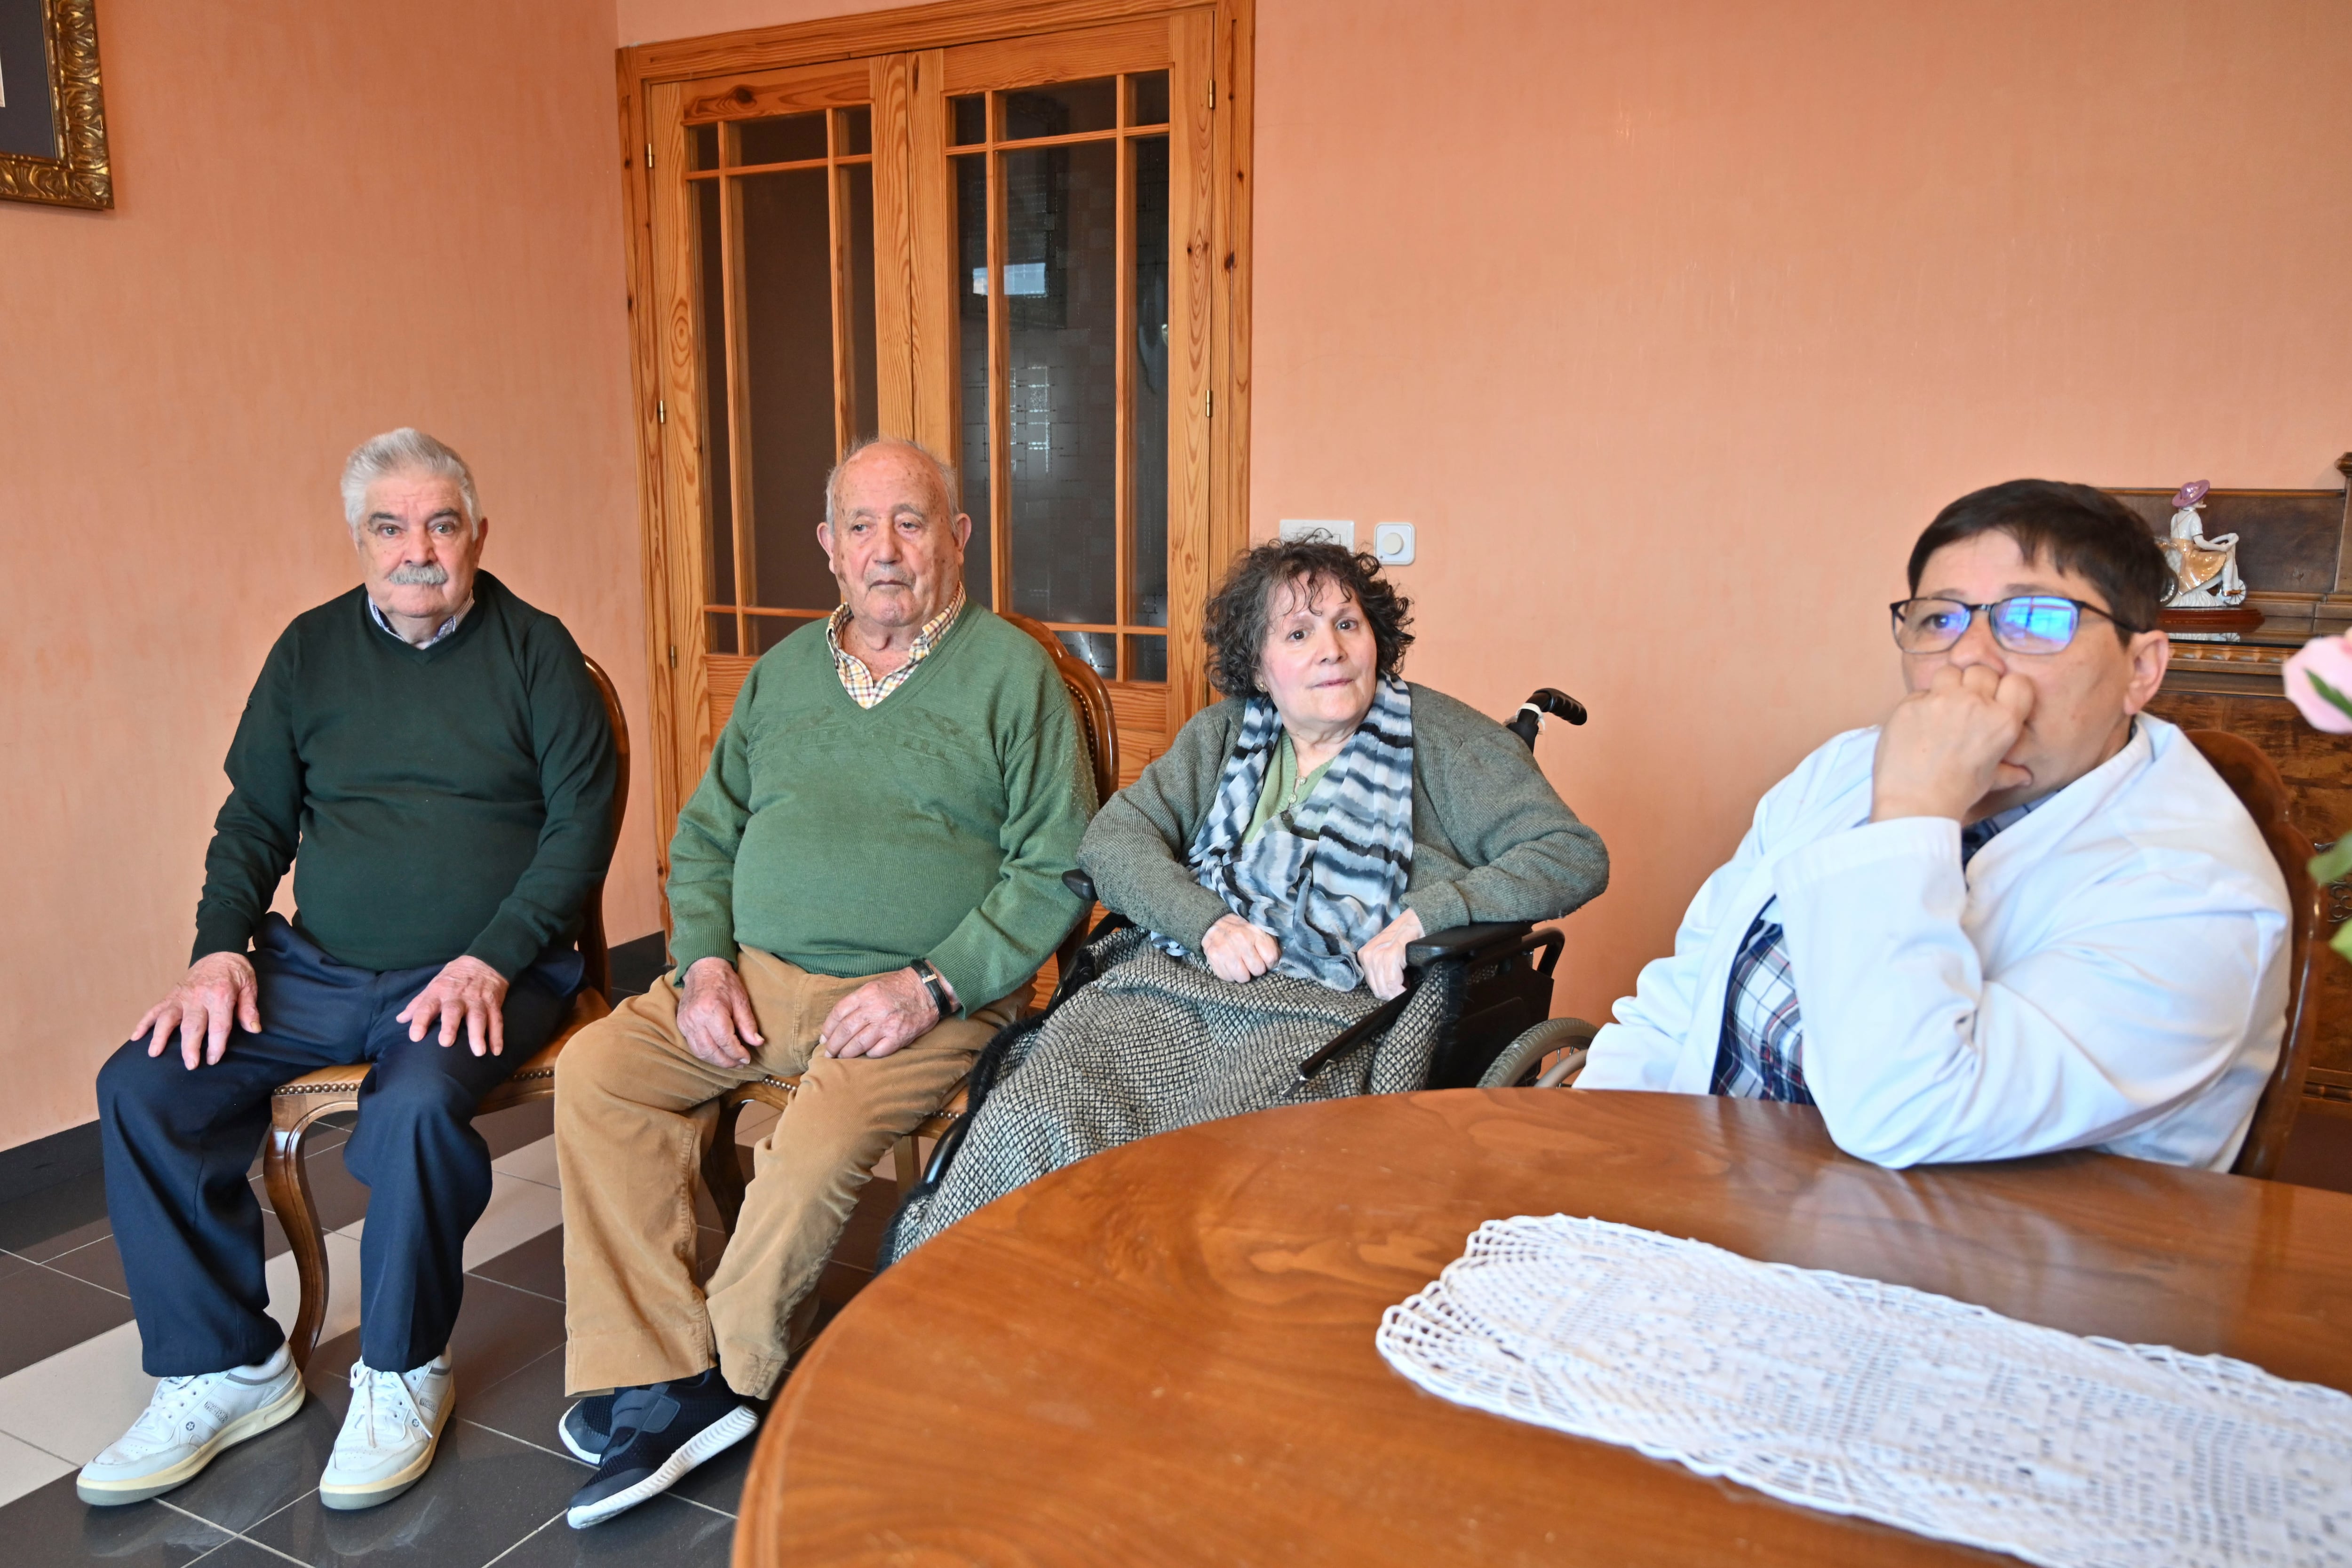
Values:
[(455, 799), (852, 841)]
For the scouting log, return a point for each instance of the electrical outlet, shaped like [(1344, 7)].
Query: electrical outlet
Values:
[(1392, 542), (1342, 533)]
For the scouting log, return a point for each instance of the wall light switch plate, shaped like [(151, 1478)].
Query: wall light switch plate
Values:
[(1392, 542), (1342, 532)]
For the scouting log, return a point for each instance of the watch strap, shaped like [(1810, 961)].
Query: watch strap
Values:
[(926, 972)]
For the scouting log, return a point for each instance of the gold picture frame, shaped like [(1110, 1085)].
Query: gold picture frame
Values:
[(75, 172)]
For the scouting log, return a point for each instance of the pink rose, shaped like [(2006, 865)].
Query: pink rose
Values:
[(2319, 681)]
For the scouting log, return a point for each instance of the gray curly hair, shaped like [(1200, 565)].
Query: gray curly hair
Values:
[(406, 451)]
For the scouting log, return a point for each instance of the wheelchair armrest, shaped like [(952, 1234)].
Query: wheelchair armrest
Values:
[(1471, 942), (1079, 883)]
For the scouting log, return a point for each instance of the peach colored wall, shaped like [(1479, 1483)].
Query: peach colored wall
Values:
[(1670, 323), (332, 219), (649, 21)]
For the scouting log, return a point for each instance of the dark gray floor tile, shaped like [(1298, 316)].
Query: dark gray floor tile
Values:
[(484, 1493), (65, 1241), (525, 1404), (673, 1533), (43, 1312), (337, 1194), (840, 1283), (240, 1554), (53, 1526), (11, 1262), (100, 1263), (259, 1476), (536, 1266), (64, 1206), (718, 1483), (508, 1131), (499, 1330)]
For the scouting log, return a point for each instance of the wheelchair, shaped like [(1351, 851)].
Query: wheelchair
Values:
[(1505, 1038)]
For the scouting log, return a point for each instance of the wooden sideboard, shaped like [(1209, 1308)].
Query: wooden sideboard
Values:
[(2295, 550)]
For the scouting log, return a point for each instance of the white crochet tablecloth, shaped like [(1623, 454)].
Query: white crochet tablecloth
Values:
[(1875, 1399)]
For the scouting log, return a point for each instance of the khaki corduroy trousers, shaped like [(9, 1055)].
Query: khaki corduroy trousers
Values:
[(634, 1110)]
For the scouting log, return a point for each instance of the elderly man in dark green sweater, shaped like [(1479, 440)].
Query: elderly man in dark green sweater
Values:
[(437, 750), (862, 888)]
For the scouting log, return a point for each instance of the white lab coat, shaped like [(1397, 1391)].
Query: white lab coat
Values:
[(2108, 972)]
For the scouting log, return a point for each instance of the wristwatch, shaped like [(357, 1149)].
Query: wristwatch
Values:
[(929, 976)]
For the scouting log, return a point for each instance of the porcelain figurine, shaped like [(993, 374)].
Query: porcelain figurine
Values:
[(2205, 569)]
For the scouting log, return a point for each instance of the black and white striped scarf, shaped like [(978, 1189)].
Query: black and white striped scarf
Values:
[(1326, 875)]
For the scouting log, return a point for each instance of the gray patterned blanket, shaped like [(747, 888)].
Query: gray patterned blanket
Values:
[(1157, 1042)]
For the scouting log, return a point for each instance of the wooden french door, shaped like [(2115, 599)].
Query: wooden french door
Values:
[(1006, 248)]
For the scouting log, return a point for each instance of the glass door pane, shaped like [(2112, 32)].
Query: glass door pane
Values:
[(785, 207), (1063, 242)]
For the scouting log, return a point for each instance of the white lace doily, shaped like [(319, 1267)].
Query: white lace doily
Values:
[(1863, 1398)]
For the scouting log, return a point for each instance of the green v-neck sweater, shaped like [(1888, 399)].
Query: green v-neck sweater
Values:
[(852, 840), (433, 802)]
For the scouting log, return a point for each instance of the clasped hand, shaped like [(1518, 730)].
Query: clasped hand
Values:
[(877, 1018), (1238, 951), (1945, 746)]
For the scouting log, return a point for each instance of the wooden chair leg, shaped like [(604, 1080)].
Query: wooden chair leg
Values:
[(288, 1181), (722, 1167)]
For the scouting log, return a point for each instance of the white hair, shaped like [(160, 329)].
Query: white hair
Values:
[(406, 451), (943, 472)]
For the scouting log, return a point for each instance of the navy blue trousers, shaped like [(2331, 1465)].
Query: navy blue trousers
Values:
[(179, 1145)]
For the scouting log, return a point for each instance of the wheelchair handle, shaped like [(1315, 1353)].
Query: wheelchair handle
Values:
[(1544, 700)]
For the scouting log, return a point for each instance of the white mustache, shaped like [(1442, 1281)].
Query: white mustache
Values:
[(429, 575)]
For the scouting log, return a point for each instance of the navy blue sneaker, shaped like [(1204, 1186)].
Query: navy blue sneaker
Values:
[(585, 1427), (657, 1435)]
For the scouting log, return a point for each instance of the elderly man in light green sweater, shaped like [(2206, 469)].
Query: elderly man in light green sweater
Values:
[(862, 891)]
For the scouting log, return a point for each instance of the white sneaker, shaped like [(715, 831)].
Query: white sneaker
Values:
[(188, 1421), (389, 1434)]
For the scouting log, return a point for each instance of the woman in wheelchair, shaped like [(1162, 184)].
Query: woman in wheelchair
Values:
[(1272, 867)]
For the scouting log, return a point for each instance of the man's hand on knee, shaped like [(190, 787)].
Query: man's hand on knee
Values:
[(715, 1014), (217, 989), (879, 1017), (467, 993)]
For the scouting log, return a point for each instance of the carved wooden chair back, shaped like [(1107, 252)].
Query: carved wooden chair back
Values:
[(1098, 729), (298, 1105), (2256, 781)]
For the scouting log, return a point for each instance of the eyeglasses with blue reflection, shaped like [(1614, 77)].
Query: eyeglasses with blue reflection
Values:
[(2029, 623)]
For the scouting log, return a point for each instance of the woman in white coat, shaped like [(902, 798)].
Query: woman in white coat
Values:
[(2020, 915)]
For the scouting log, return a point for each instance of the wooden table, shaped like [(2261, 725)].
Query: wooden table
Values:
[(1164, 1354)]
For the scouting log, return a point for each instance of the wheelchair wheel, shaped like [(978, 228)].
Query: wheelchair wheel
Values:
[(1521, 1065)]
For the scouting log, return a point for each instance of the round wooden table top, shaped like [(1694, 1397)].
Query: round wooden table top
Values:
[(1164, 1354)]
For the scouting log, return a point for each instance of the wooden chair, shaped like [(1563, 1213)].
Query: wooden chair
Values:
[(298, 1105), (722, 1171), (2256, 782)]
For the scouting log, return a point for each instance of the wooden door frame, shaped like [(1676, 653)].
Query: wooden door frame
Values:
[(644, 67)]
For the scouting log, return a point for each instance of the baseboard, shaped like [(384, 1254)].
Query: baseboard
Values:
[(45, 1161), (636, 965)]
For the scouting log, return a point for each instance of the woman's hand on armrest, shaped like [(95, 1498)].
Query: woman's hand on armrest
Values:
[(1239, 952), (1383, 957)]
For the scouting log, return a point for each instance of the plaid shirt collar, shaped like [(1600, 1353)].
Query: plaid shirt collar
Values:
[(859, 681)]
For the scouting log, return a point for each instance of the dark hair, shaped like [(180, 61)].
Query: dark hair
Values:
[(1234, 624), (2073, 528)]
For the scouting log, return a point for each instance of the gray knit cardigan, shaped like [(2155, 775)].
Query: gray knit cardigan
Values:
[(1491, 838)]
